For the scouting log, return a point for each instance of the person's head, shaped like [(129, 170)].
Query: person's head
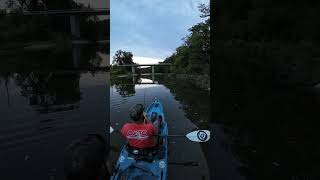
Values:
[(85, 159), (136, 113)]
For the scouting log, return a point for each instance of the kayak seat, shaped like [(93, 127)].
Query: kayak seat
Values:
[(153, 117), (145, 154)]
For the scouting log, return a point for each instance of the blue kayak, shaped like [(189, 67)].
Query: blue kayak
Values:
[(145, 164)]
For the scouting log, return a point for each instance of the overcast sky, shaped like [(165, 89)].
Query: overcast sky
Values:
[(151, 29)]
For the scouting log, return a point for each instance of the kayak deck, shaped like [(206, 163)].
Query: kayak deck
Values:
[(130, 166)]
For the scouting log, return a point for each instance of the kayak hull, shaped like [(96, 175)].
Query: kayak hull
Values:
[(130, 167)]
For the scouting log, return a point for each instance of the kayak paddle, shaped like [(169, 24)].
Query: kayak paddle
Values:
[(195, 136)]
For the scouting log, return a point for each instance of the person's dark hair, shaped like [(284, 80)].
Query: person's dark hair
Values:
[(136, 112), (85, 159)]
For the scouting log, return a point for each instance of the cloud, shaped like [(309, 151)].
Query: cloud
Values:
[(146, 60)]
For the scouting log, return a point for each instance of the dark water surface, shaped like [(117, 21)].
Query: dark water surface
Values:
[(183, 115), (41, 113), (265, 128)]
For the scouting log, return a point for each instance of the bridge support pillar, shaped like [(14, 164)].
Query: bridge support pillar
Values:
[(134, 79), (152, 67), (75, 26), (76, 53), (133, 70)]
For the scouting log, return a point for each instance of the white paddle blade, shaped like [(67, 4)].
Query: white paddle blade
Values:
[(111, 129), (199, 136)]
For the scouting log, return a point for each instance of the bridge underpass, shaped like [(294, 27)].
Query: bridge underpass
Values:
[(153, 73), (74, 15), (134, 66)]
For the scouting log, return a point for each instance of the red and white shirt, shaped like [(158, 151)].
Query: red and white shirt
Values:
[(139, 135)]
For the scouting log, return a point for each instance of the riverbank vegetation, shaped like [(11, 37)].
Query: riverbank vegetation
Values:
[(121, 58), (271, 36), (87, 57)]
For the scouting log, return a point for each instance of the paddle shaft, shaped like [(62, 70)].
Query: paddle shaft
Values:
[(190, 163), (172, 135)]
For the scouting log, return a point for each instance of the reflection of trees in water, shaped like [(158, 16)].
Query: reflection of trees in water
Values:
[(49, 91), (89, 56), (195, 101), (124, 86), (125, 90)]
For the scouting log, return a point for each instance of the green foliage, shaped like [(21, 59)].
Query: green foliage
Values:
[(116, 70), (123, 57), (193, 55)]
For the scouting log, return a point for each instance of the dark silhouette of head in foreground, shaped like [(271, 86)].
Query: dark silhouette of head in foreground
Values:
[(86, 159)]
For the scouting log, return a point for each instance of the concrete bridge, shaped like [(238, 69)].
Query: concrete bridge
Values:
[(73, 14), (133, 66)]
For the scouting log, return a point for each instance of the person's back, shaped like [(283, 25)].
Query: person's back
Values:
[(140, 134)]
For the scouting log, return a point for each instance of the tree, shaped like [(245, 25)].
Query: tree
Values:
[(123, 57), (205, 10), (193, 55)]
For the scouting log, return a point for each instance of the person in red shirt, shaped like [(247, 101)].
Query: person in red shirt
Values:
[(141, 132)]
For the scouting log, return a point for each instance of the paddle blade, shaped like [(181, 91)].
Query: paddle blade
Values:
[(199, 136), (111, 129)]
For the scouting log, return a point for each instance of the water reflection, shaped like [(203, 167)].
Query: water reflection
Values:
[(79, 57), (41, 113), (44, 93)]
